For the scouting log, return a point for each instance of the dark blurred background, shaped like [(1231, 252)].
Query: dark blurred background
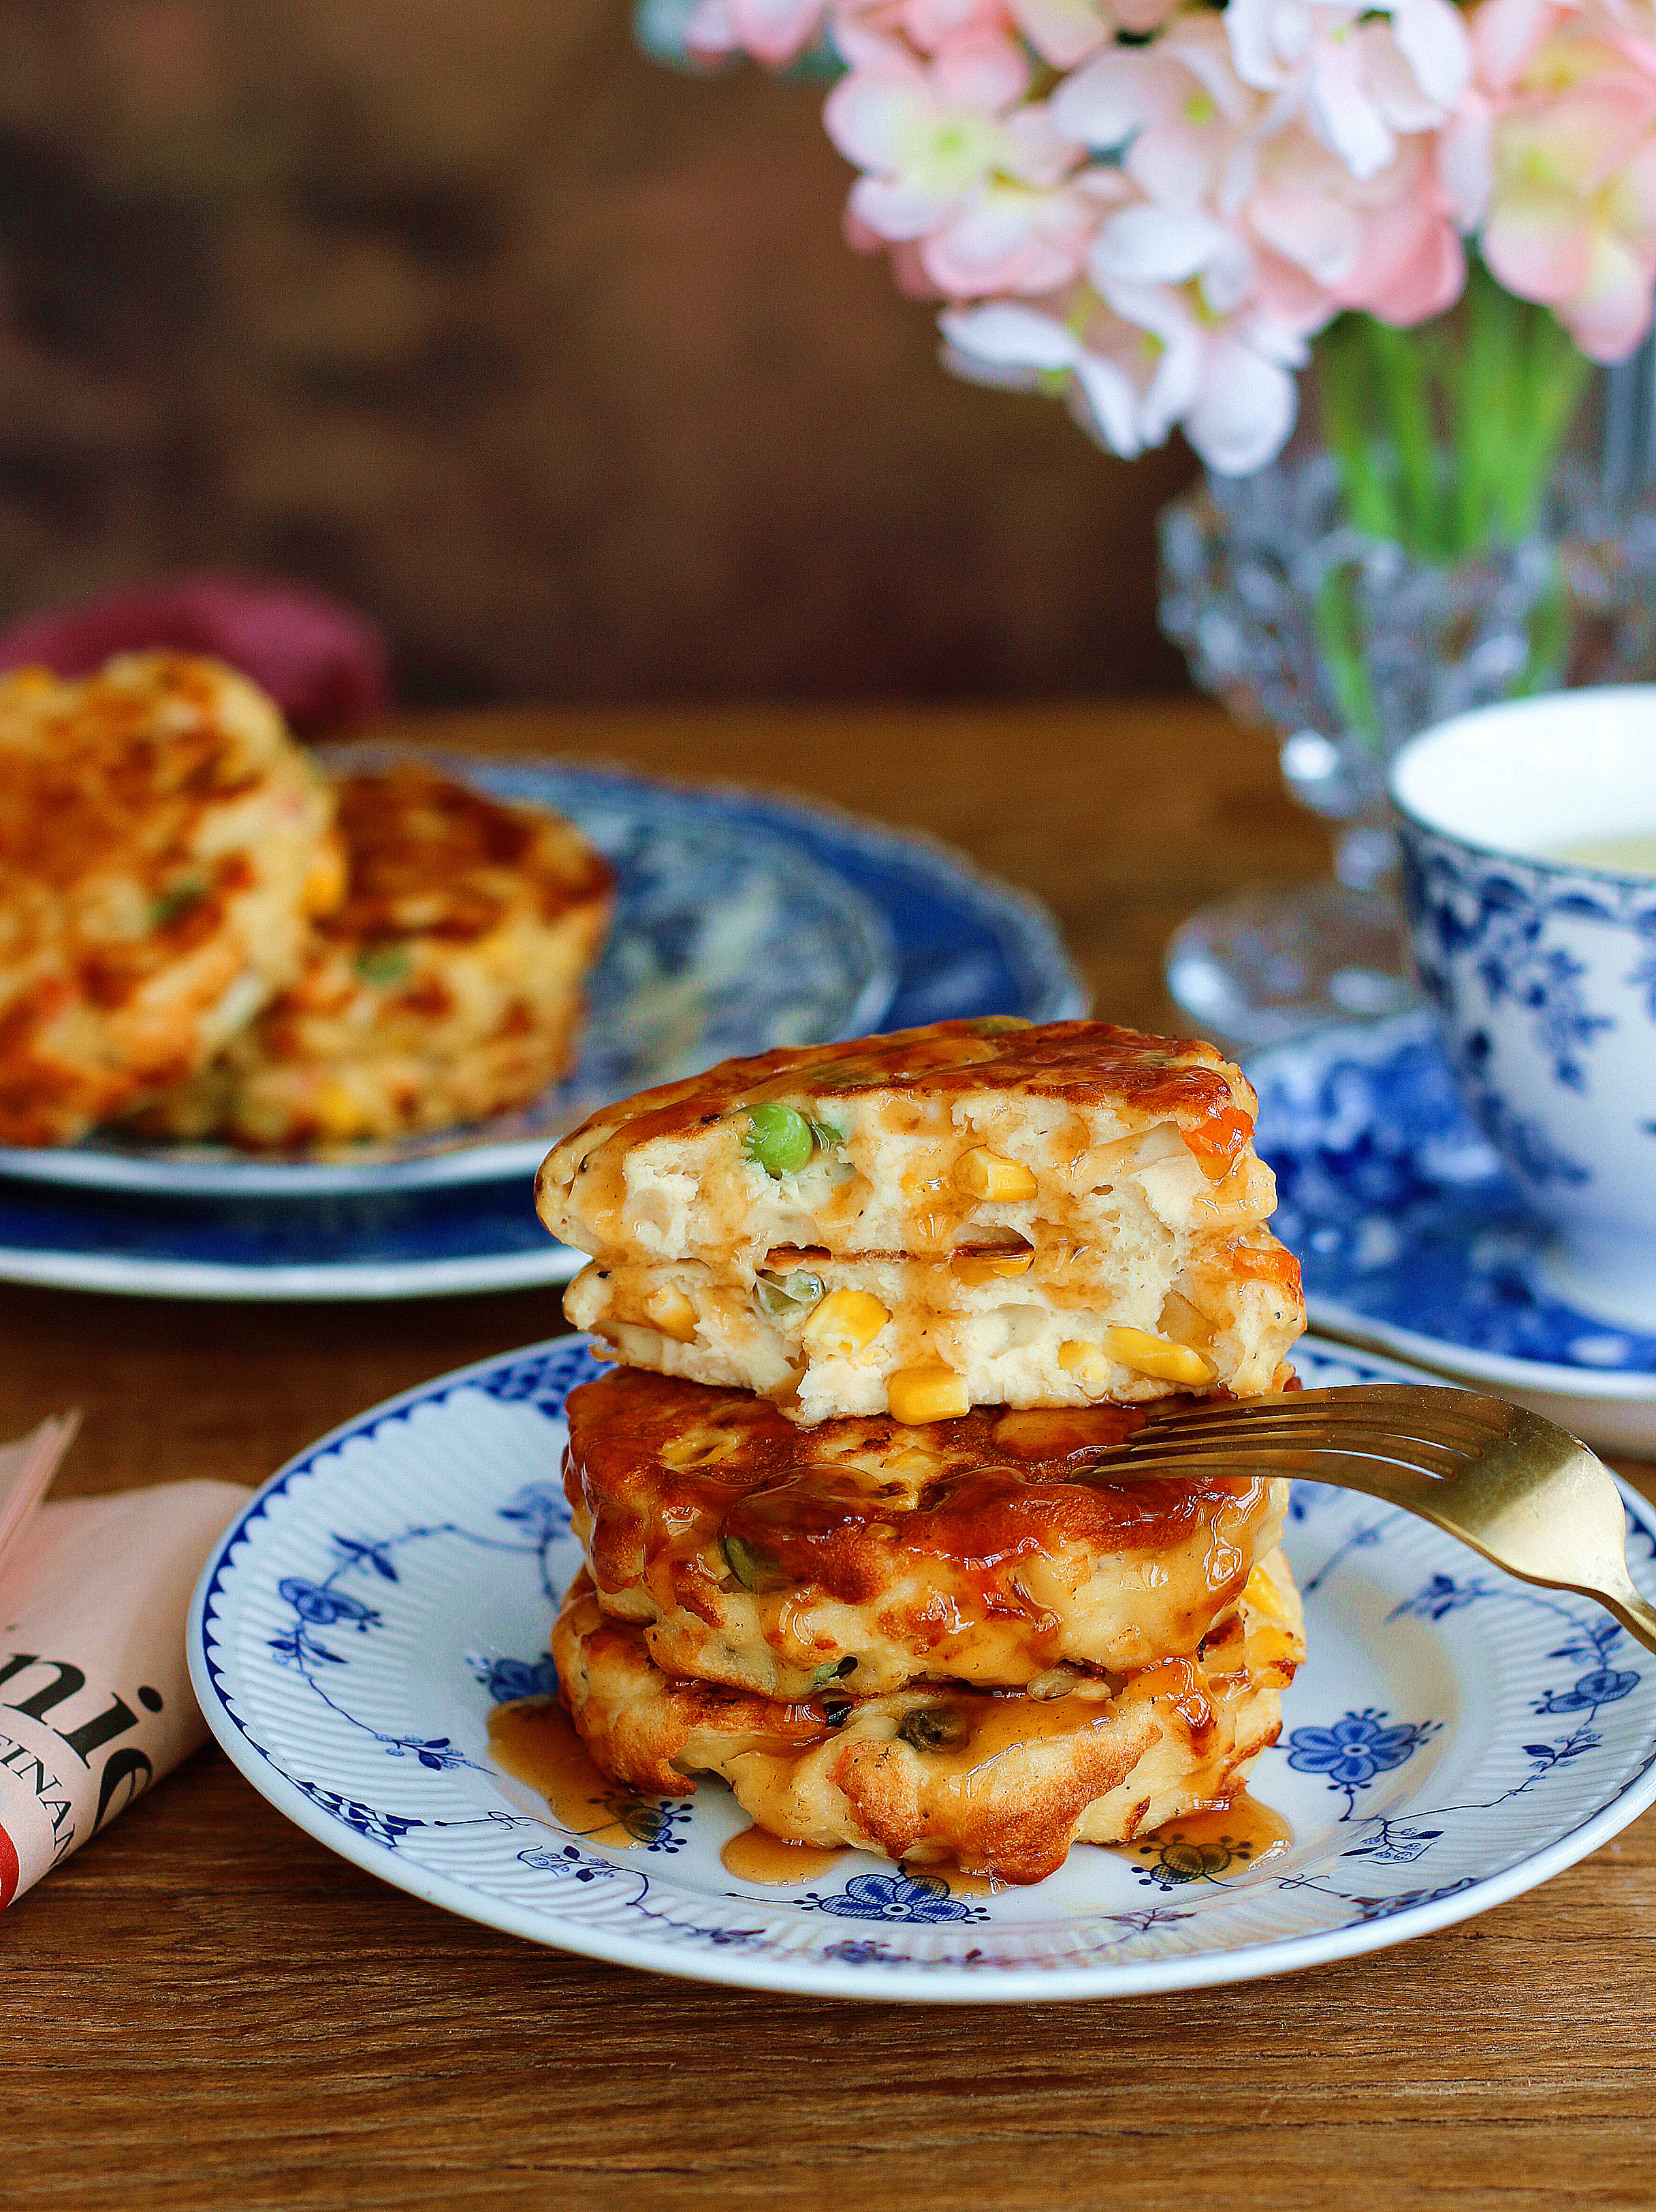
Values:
[(552, 361)]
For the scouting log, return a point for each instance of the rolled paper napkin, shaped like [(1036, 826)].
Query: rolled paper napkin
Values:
[(324, 664), (95, 1702)]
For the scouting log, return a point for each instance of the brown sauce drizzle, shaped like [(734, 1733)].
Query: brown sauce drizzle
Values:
[(1206, 1846), (961, 1882), (756, 1855), (535, 1740)]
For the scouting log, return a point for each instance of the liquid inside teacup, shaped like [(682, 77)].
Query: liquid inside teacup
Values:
[(1625, 853)]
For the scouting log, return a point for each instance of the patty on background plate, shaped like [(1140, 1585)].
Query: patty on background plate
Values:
[(163, 843)]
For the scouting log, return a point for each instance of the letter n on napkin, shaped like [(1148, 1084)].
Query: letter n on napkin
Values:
[(95, 1701)]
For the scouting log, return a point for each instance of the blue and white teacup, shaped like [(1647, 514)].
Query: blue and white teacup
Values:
[(1529, 835)]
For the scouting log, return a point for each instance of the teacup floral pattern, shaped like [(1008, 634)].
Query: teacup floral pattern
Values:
[(1400, 1211), (1541, 977), (395, 1585)]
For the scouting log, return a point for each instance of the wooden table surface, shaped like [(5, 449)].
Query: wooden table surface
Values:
[(206, 2008)]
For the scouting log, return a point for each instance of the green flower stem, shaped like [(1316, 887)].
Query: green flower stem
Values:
[(1448, 436)]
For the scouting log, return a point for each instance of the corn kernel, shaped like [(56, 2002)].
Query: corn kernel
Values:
[(1263, 1595), (983, 1174), (846, 1322), (670, 1309), (338, 1115), (324, 886), (1084, 1361), (1184, 1322), (1153, 1355), (975, 1267), (926, 1394), (1268, 1646)]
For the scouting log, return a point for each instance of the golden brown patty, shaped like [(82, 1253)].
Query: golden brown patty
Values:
[(991, 1549), (998, 1782), (160, 837), (985, 1212), (446, 985)]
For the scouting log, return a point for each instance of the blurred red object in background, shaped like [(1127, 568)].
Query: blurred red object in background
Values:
[(324, 665)]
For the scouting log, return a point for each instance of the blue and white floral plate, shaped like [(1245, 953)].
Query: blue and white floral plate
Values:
[(730, 936), (1413, 1239), (841, 927), (1454, 1738)]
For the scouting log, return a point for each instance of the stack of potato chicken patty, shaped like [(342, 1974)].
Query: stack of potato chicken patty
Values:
[(884, 1311)]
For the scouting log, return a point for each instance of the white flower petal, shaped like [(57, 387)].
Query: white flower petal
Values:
[(1102, 105), (1007, 336), (1242, 419), (873, 118), (897, 209), (1342, 113), (1433, 42), (1247, 25), (1109, 406), (1157, 246)]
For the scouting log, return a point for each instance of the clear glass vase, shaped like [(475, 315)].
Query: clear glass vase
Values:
[(1346, 645)]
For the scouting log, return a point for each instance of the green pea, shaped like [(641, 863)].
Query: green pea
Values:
[(382, 963), (781, 1298), (832, 1672), (780, 1139), (177, 901), (932, 1728), (756, 1571)]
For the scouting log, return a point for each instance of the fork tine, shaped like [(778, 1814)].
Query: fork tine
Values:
[(1325, 1463), (1157, 1436), (1375, 1401), (1410, 1411), (1243, 1457), (1240, 1436)]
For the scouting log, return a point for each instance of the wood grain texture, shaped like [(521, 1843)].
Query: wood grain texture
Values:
[(205, 2008)]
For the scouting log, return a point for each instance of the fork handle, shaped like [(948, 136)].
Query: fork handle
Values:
[(1636, 1615)]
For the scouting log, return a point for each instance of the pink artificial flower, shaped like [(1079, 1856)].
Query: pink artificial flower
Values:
[(1069, 346), (1506, 34), (931, 24), (1571, 220), (1176, 109), (1226, 380), (930, 137), (1066, 31), (1151, 246), (1387, 245), (772, 31), (1357, 80), (1016, 237), (1556, 151)]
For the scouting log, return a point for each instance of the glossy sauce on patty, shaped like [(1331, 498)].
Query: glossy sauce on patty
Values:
[(668, 1470)]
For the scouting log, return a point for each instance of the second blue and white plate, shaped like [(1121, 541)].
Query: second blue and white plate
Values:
[(1453, 1738), (744, 922)]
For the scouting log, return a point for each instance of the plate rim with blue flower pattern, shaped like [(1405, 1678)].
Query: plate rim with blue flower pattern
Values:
[(1455, 1737)]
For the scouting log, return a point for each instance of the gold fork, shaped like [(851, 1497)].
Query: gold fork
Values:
[(1517, 1488)]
